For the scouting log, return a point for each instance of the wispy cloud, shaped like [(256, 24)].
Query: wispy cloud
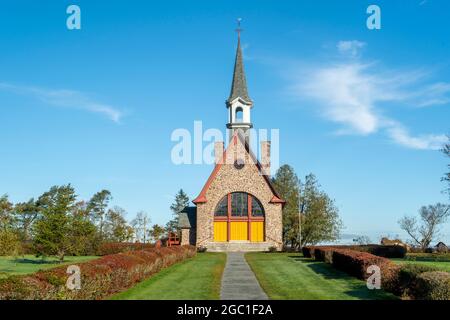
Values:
[(355, 96), (350, 47), (66, 98)]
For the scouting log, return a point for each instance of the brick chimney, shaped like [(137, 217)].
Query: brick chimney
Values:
[(218, 151), (265, 157)]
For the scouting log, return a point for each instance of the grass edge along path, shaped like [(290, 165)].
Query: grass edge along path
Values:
[(289, 276), (197, 278)]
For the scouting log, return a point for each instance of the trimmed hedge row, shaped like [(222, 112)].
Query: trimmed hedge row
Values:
[(375, 249), (409, 281), (355, 263), (100, 278)]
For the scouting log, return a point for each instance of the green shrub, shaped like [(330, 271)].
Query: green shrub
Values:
[(434, 285), (407, 279), (9, 243)]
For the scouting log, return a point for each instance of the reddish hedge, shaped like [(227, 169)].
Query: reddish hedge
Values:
[(355, 263), (100, 278), (118, 247), (375, 249)]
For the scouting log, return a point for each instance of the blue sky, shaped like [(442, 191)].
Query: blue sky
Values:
[(365, 110)]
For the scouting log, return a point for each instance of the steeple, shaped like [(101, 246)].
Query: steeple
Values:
[(239, 102), (239, 84)]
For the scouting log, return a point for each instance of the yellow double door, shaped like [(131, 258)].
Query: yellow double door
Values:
[(239, 231)]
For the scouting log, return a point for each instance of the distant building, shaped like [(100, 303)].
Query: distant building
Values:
[(441, 247)]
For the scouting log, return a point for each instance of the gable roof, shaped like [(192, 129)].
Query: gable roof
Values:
[(237, 135), (187, 218)]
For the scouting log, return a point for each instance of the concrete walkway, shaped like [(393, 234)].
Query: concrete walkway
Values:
[(239, 281)]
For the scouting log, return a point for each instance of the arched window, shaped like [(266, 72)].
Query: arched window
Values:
[(238, 116), (222, 208), (257, 210), (239, 206)]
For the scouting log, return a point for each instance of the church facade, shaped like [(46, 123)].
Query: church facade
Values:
[(238, 208)]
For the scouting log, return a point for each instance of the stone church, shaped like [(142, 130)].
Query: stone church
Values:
[(238, 208)]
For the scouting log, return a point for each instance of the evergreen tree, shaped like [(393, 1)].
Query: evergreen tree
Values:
[(287, 185), (181, 202), (52, 229)]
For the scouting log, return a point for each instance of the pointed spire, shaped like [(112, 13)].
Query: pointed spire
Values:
[(239, 84)]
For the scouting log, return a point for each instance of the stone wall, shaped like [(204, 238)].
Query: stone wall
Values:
[(248, 179)]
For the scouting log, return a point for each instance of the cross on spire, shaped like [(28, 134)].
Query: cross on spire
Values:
[(239, 29)]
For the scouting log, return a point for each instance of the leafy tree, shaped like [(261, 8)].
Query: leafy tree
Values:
[(317, 213), (140, 226), (9, 243), (26, 213), (446, 151), (287, 185), (431, 217), (320, 217), (9, 239), (156, 232), (116, 227), (82, 236), (97, 208), (7, 221), (181, 202), (52, 229)]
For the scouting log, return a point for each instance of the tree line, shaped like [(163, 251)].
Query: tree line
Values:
[(58, 224)]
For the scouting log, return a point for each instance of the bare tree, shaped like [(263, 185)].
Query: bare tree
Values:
[(446, 151), (140, 226), (431, 218)]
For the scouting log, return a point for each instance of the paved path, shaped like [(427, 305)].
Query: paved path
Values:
[(239, 281)]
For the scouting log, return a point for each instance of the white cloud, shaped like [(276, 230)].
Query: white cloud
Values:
[(401, 136), (350, 47), (66, 98), (355, 95)]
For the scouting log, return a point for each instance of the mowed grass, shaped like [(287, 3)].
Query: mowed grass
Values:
[(198, 278), (289, 276), (30, 264), (441, 265)]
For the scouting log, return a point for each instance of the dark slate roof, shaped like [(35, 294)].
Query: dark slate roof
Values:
[(239, 84), (188, 218)]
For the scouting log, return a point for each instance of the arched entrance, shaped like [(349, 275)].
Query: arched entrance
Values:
[(239, 216)]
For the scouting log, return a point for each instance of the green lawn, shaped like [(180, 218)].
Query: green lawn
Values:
[(290, 276), (30, 264), (195, 278), (442, 265)]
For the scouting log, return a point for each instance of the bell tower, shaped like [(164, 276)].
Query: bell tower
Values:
[(239, 103)]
